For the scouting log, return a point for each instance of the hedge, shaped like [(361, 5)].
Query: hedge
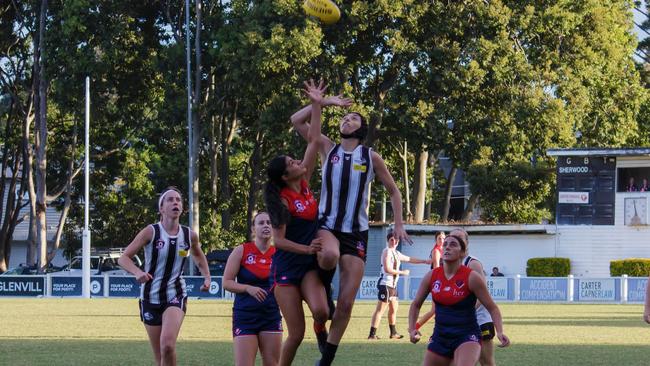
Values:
[(633, 267), (548, 267)]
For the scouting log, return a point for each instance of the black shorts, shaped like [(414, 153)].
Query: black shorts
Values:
[(487, 331), (355, 243), (151, 314), (385, 293)]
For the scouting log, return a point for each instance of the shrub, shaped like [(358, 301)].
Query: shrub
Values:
[(633, 267), (548, 267)]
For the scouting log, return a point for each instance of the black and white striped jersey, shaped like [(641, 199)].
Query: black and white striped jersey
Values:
[(165, 257), (344, 191)]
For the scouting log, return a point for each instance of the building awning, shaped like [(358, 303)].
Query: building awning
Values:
[(481, 229), (633, 151)]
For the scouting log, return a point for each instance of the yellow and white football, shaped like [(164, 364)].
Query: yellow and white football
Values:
[(325, 10)]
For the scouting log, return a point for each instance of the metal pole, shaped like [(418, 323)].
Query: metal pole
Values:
[(85, 283), (190, 168)]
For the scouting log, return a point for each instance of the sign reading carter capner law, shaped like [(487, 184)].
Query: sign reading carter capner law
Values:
[(596, 289)]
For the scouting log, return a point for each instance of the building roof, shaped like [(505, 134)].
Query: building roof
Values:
[(597, 151), (482, 229)]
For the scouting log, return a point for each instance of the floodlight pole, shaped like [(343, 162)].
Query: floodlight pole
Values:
[(190, 168), (85, 281)]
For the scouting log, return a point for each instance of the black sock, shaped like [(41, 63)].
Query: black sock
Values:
[(328, 355), (373, 331), (392, 329)]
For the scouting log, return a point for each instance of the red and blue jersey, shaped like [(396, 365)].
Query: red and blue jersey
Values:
[(455, 303), (301, 204), (254, 270), (301, 229)]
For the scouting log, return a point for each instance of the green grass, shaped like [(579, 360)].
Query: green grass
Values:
[(108, 332)]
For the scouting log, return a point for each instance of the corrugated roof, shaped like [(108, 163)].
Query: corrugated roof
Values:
[(597, 151)]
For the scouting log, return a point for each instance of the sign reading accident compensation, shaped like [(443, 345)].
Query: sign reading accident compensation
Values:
[(22, 285), (636, 289), (547, 289)]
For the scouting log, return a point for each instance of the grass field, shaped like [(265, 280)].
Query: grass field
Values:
[(108, 332)]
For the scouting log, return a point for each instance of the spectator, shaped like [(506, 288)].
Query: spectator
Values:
[(631, 187), (496, 273), (644, 187), (391, 259)]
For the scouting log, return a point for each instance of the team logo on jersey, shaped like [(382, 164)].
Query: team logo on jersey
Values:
[(172, 241), (160, 244), (361, 249), (263, 261), (335, 159), (250, 259), (436, 286), (299, 206), (447, 289), (460, 283), (174, 301)]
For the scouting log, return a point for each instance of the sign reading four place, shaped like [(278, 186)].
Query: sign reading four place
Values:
[(129, 287), (71, 286)]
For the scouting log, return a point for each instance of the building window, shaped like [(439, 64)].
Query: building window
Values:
[(633, 179)]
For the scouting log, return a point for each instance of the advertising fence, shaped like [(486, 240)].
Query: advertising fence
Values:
[(100, 286), (519, 289), (537, 289)]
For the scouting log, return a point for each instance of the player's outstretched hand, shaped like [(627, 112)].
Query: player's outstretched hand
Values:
[(143, 277), (505, 341), (337, 100), (415, 336), (256, 292), (401, 234), (316, 93)]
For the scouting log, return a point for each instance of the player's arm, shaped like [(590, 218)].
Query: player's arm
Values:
[(201, 261), (406, 258), (315, 94), (477, 267), (230, 273), (300, 120), (126, 262), (479, 288), (416, 305), (395, 196)]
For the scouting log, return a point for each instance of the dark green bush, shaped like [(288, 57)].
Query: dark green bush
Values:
[(548, 267), (633, 267)]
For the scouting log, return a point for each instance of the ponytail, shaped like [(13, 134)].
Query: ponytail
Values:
[(277, 211)]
